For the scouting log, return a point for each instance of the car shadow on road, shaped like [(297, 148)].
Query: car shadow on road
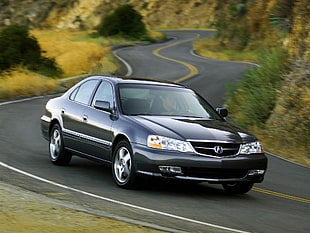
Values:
[(186, 188), (101, 176)]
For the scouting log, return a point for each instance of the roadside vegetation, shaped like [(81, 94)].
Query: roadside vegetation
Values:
[(272, 100), (18, 47), (33, 62), (22, 82), (209, 47), (75, 53)]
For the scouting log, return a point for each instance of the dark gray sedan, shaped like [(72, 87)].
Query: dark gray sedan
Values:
[(149, 127)]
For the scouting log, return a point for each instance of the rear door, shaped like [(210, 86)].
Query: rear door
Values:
[(72, 113)]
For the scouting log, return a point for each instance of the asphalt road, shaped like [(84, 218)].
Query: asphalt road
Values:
[(279, 204)]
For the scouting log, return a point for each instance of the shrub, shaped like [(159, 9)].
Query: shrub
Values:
[(254, 98), (46, 66), (125, 21), (18, 47)]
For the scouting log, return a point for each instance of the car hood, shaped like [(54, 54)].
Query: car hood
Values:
[(194, 129)]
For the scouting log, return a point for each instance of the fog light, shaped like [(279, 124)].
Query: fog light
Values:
[(256, 172), (170, 170)]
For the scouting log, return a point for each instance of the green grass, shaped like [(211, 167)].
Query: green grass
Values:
[(253, 98), (91, 37), (208, 47)]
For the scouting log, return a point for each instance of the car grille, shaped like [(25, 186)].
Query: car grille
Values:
[(216, 149), (214, 173)]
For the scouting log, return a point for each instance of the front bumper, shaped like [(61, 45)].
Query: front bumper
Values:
[(192, 166)]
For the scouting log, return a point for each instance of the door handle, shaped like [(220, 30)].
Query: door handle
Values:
[(85, 117)]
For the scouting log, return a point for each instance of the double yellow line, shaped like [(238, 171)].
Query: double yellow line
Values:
[(193, 69), (272, 193)]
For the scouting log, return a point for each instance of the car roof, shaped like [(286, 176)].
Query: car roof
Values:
[(135, 80)]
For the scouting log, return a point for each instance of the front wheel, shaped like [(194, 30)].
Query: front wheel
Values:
[(58, 154), (238, 187), (123, 166)]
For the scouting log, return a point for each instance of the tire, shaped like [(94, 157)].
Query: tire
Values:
[(57, 152), (123, 166), (238, 187)]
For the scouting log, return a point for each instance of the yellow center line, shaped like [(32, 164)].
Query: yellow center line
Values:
[(272, 193), (193, 69)]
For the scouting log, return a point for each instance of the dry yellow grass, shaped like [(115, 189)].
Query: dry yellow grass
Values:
[(20, 82), (158, 36), (23, 211), (274, 144), (76, 53)]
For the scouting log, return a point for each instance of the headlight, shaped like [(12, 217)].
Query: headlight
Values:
[(160, 142), (252, 148)]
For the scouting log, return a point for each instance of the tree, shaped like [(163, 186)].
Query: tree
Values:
[(124, 21)]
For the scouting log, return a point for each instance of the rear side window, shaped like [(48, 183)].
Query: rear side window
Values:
[(84, 92)]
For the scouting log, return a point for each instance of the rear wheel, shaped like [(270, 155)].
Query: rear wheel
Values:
[(123, 166), (238, 187), (58, 154)]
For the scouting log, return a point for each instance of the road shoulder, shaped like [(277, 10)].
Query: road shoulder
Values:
[(25, 211)]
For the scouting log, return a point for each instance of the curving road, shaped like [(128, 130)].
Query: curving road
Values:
[(279, 204), (175, 61)]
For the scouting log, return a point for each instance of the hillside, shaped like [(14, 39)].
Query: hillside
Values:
[(86, 14)]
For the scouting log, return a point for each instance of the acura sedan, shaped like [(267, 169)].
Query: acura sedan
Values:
[(154, 128)]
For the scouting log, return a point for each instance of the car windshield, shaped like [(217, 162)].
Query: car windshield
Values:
[(163, 101)]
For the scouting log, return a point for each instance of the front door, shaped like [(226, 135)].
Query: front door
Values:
[(96, 128)]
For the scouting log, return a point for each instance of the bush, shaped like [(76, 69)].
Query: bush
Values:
[(254, 98), (18, 47), (46, 66), (125, 22)]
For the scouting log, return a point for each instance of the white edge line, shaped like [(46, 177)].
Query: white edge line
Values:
[(16, 190), (118, 202), (20, 100), (207, 58), (128, 67), (287, 160)]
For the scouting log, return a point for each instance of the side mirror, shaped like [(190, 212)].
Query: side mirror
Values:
[(103, 105), (222, 111)]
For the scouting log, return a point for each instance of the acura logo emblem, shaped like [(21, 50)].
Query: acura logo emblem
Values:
[(218, 149)]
